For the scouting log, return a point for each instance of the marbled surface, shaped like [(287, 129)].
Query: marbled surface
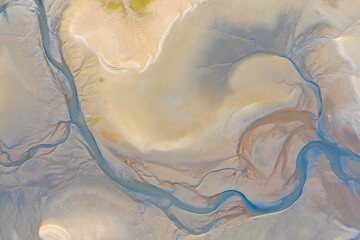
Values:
[(179, 119)]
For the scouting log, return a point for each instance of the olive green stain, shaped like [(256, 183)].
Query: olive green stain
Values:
[(137, 5), (115, 6), (140, 5)]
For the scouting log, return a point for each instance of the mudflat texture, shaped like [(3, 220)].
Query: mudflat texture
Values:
[(180, 119)]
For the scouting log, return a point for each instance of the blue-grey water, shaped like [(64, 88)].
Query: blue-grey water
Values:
[(292, 171)]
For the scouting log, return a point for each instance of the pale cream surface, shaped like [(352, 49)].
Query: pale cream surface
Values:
[(174, 106), (190, 103)]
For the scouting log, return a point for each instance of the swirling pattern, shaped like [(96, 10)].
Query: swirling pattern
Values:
[(183, 119)]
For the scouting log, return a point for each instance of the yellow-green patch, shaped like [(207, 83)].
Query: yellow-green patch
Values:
[(139, 5), (115, 6)]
